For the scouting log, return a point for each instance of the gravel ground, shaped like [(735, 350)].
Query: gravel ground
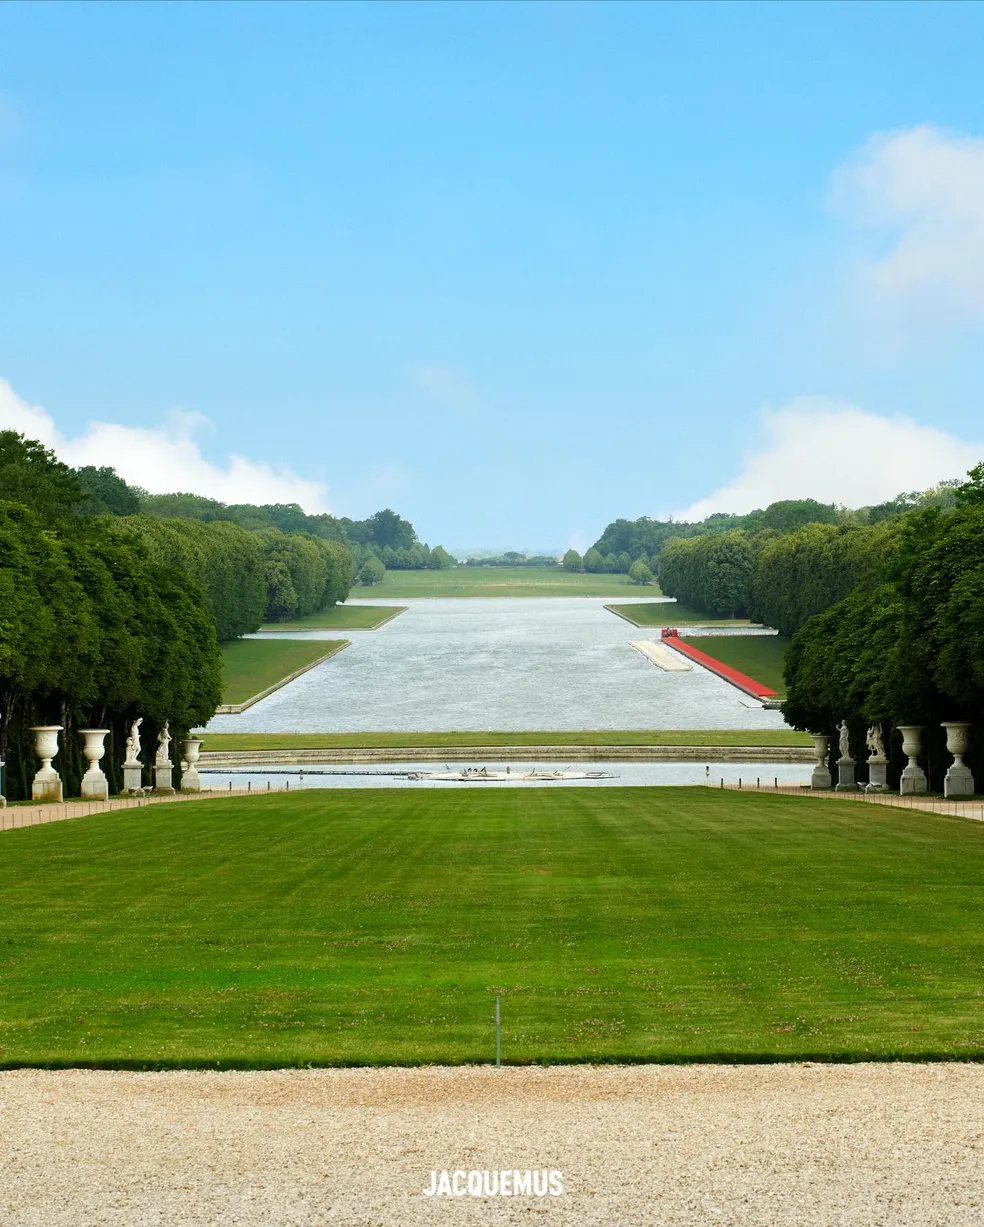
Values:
[(746, 1145)]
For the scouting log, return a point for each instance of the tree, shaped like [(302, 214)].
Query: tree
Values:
[(593, 561), (440, 559), (106, 493), (639, 572), (372, 572), (32, 475), (791, 514), (573, 561)]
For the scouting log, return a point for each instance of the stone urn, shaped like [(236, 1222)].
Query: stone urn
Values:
[(47, 784), (191, 781), (958, 782), (95, 786), (821, 772), (913, 777)]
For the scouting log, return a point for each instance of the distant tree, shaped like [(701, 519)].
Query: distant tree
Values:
[(281, 596), (440, 559), (622, 563), (971, 493), (372, 571), (593, 561), (790, 514), (639, 572), (106, 493), (573, 561)]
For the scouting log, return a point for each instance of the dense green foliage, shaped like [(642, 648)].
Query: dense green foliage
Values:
[(639, 573), (712, 571), (802, 573), (573, 561), (376, 926), (372, 572), (224, 560), (287, 517), (93, 631), (910, 651)]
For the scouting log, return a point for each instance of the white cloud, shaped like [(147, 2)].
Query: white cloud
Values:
[(837, 453), (162, 459), (919, 196)]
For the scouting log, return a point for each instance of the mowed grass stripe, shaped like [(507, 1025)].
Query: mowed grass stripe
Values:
[(595, 737), (501, 582), (342, 618), (251, 665), (670, 613), (354, 927)]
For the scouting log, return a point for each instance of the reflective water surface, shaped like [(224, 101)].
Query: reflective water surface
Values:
[(550, 663), (394, 775)]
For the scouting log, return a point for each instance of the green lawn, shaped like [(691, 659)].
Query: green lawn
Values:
[(760, 656), (599, 737), (360, 927), (342, 618), (670, 613), (501, 581), (251, 665)]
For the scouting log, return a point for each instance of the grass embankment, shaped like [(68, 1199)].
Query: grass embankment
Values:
[(376, 927), (670, 613), (342, 618), (759, 656), (598, 737), (501, 581), (251, 665)]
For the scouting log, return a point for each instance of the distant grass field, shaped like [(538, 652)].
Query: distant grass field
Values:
[(342, 618), (251, 665), (598, 737), (365, 927), (670, 613), (760, 656), (500, 581)]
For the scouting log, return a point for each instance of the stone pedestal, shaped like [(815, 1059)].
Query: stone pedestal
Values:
[(163, 781), (3, 799), (877, 775), (191, 781), (132, 777), (913, 779), (47, 784), (820, 779), (846, 781), (95, 786), (958, 782)]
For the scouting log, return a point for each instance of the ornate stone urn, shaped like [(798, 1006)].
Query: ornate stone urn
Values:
[(47, 784), (913, 777), (958, 782), (821, 772), (191, 781), (95, 786)]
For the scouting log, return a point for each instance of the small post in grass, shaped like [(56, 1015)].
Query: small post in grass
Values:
[(498, 1031)]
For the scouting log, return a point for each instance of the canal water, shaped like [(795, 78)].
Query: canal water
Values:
[(558, 663)]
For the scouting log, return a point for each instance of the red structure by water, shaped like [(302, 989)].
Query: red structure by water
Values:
[(671, 637)]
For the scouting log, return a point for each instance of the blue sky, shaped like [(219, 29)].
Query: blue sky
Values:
[(514, 270)]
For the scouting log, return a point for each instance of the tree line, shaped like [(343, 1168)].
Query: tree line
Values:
[(908, 649), (93, 628)]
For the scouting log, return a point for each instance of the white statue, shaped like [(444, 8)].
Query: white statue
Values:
[(164, 745), (876, 745), (845, 739), (133, 741)]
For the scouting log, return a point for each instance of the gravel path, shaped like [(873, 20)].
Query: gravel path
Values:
[(681, 1145)]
